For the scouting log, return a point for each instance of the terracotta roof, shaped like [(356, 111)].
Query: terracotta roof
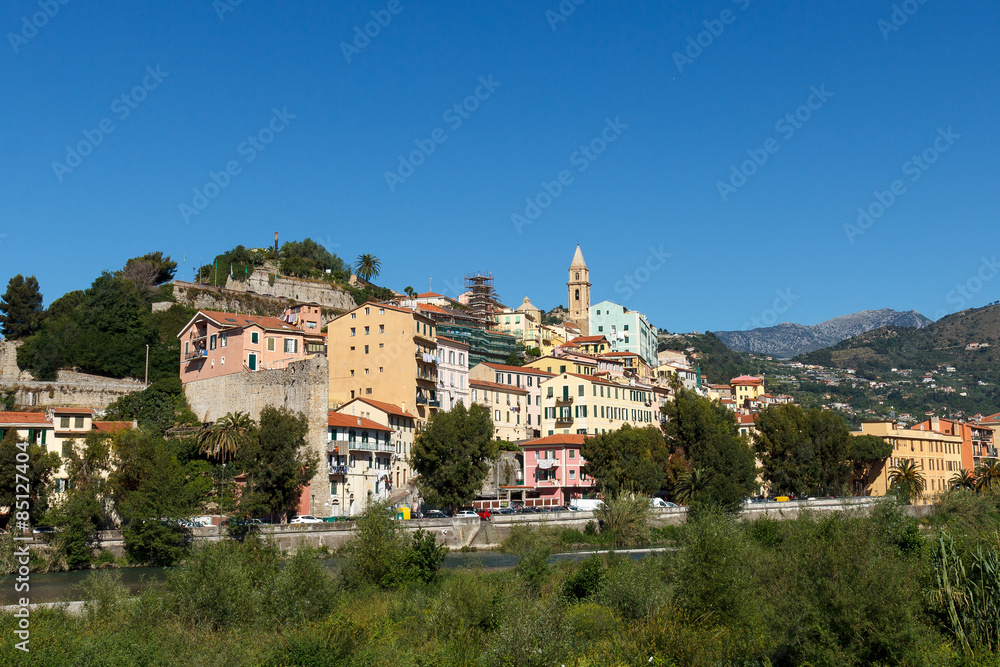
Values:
[(351, 421), (559, 439), (452, 341), (746, 380), (493, 385), (112, 427), (431, 308), (518, 369), (388, 408), (586, 340), (431, 295), (73, 411), (13, 418), (745, 419), (234, 320)]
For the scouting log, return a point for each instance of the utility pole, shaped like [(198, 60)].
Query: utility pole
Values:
[(147, 364)]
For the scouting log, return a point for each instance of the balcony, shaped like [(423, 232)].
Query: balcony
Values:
[(197, 353), (434, 403), (384, 447), (337, 470), (564, 400), (564, 419)]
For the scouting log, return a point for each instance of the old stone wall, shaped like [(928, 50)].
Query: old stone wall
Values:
[(302, 387), (296, 289), (238, 300)]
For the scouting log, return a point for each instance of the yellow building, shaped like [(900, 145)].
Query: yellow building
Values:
[(746, 387), (385, 353), (936, 455), (574, 403), (633, 364), (566, 364), (507, 405)]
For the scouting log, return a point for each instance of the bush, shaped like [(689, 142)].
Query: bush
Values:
[(585, 581), (533, 568), (625, 519)]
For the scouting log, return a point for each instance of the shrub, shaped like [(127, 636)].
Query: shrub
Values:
[(533, 568), (585, 581), (625, 519)]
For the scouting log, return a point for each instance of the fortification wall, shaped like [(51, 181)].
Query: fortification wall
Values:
[(296, 289), (302, 387)]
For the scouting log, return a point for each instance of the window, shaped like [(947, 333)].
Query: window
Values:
[(255, 337), (223, 360), (367, 330), (366, 371), (354, 332), (367, 311), (67, 449), (186, 348), (64, 422), (352, 372), (381, 311), (212, 341), (496, 416), (354, 316), (78, 422), (379, 369), (549, 395), (579, 390), (291, 346), (572, 474), (270, 344), (381, 328), (572, 453), (223, 340), (366, 349), (368, 390), (600, 329)]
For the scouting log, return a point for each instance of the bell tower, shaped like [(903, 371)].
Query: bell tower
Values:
[(579, 292)]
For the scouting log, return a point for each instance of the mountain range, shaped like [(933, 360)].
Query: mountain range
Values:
[(787, 340)]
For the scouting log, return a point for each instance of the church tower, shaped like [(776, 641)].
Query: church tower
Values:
[(579, 293)]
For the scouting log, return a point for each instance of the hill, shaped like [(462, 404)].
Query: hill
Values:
[(788, 339)]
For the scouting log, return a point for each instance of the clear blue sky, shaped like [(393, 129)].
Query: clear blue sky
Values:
[(656, 185)]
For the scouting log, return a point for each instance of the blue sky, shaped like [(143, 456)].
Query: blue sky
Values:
[(772, 248)]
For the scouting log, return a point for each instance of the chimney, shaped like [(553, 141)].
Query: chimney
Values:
[(359, 421), (935, 424)]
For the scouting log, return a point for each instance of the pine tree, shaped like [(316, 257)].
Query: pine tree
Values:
[(22, 308)]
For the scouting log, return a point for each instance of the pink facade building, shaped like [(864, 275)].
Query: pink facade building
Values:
[(553, 470), (214, 343)]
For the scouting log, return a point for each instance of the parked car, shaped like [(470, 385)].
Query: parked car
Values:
[(484, 514), (435, 514), (305, 518), (466, 514)]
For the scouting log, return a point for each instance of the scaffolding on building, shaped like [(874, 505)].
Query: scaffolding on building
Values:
[(482, 299)]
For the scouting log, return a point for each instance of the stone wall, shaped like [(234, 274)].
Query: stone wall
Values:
[(302, 387), (239, 300), (295, 289), (68, 389)]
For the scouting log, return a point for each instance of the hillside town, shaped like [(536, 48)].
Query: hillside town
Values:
[(370, 377)]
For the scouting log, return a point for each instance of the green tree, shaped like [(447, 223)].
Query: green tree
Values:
[(82, 513), (988, 475), (149, 271), (38, 469), (907, 480), (629, 459), (513, 360), (451, 458), (690, 484), (367, 267), (227, 436), (277, 464), (867, 453), (21, 306), (802, 452), (157, 408), (963, 479), (706, 432), (314, 255)]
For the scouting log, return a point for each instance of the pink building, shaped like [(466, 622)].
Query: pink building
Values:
[(215, 343), (553, 470)]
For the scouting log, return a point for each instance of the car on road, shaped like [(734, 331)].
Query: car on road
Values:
[(435, 514), (484, 514), (305, 518), (466, 514)]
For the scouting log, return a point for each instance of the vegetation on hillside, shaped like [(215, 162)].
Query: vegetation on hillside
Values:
[(716, 361), (833, 590)]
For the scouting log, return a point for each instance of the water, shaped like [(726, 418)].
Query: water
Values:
[(62, 586)]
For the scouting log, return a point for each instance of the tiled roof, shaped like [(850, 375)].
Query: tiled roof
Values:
[(350, 421), (746, 380), (17, 418), (112, 427), (431, 295), (586, 340), (483, 384), (431, 308), (239, 320), (73, 411), (452, 341), (517, 369), (559, 439), (388, 408)]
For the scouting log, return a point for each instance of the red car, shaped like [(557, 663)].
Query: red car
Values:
[(484, 514)]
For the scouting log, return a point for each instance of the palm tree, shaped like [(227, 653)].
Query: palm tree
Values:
[(224, 439), (367, 267), (988, 475), (906, 477), (690, 484), (963, 479)]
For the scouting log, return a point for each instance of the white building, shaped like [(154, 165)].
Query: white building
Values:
[(453, 373)]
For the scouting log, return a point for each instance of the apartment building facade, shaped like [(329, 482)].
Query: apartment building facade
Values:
[(585, 405), (359, 463), (522, 377), (507, 406), (936, 454), (553, 470), (403, 425), (626, 330), (385, 353), (453, 372)]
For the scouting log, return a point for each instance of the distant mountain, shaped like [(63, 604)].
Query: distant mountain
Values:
[(968, 340), (788, 340)]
